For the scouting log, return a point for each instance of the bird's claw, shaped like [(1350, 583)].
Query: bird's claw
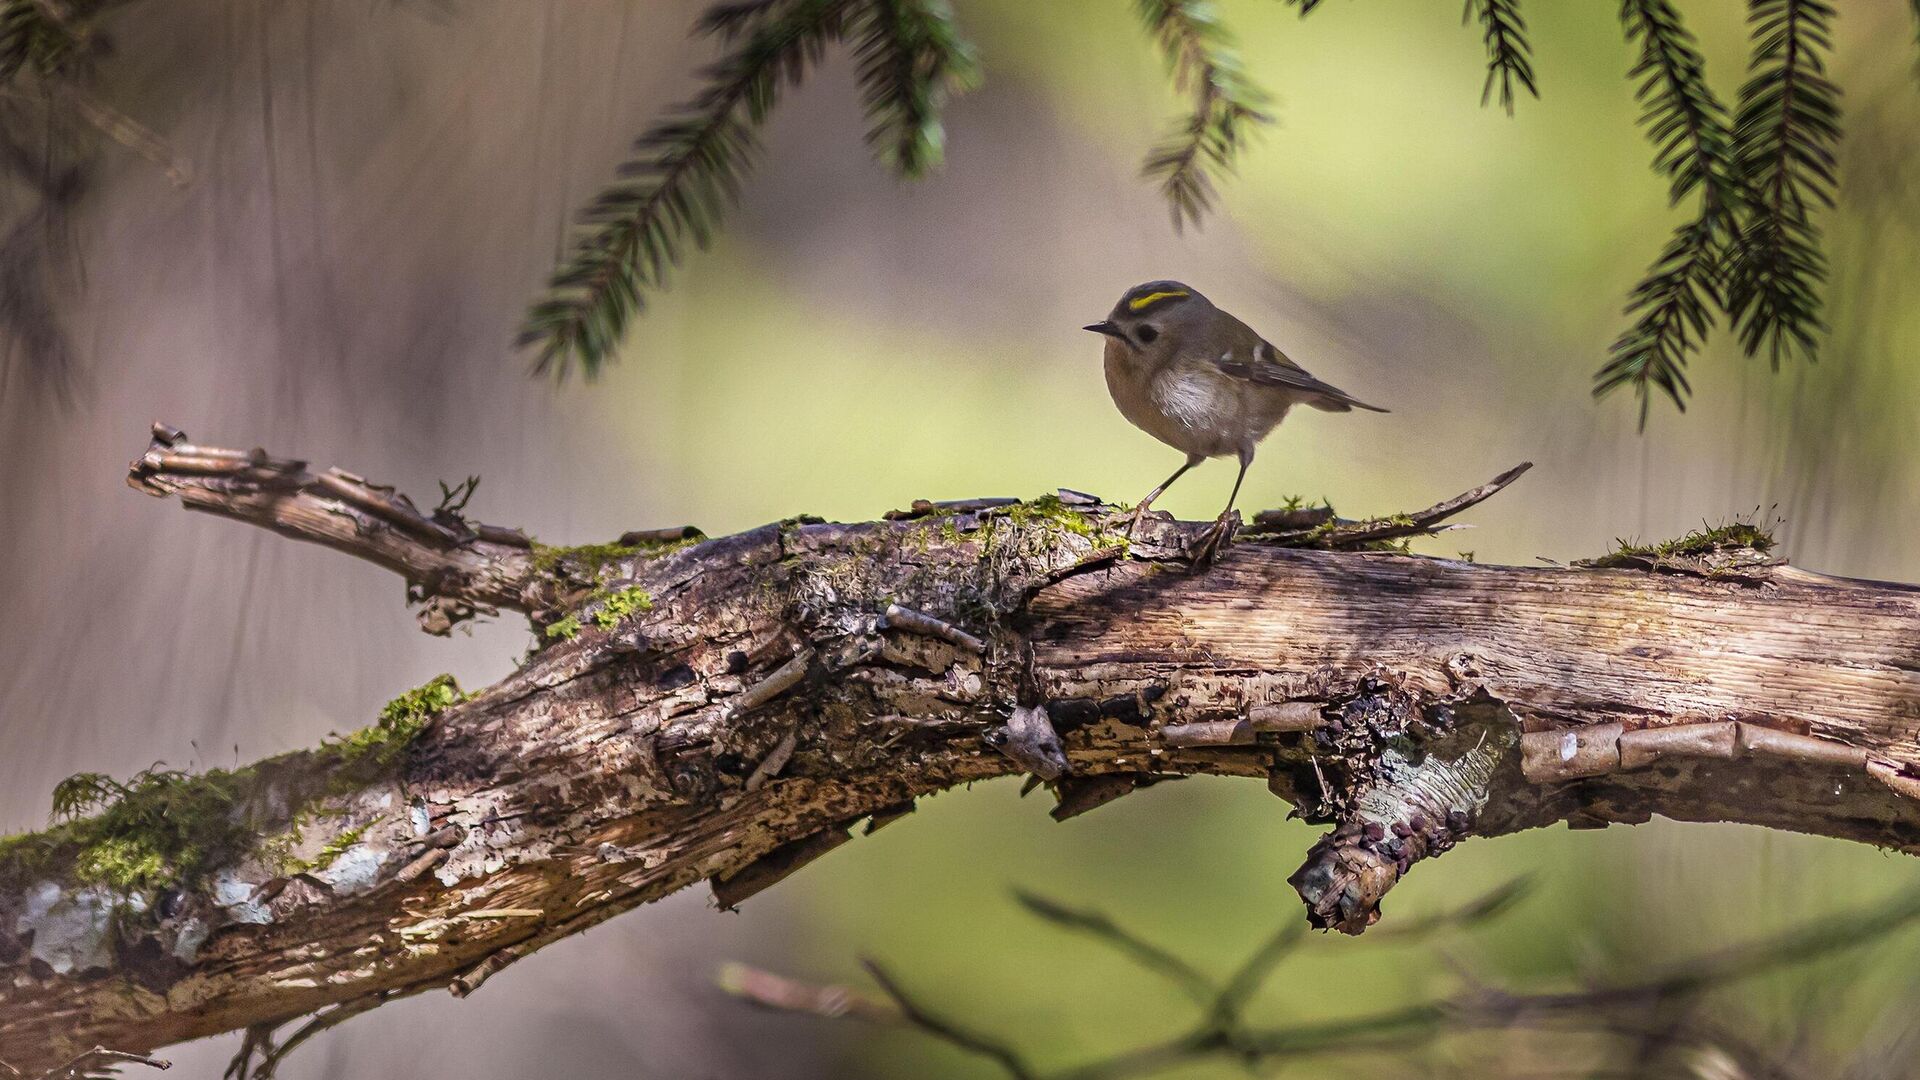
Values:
[(1218, 536), (1133, 521)]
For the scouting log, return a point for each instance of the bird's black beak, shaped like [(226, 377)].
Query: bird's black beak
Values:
[(1105, 326)]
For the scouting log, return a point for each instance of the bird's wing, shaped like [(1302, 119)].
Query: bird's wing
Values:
[(1268, 366)]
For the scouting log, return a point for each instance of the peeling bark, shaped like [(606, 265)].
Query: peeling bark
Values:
[(729, 710)]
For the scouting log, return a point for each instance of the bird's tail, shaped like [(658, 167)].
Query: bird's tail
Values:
[(1338, 401)]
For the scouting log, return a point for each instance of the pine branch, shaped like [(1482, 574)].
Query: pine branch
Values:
[(1672, 302), (1694, 149), (39, 36), (729, 21), (1200, 53), (1509, 59), (1683, 119), (1915, 6), (1785, 137), (911, 56), (686, 174)]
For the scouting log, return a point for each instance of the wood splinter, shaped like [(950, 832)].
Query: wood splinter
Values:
[(919, 622), (1076, 795), (784, 678), (929, 507), (1895, 778), (486, 969), (774, 867), (1283, 716), (775, 760), (647, 537), (418, 868), (1598, 749)]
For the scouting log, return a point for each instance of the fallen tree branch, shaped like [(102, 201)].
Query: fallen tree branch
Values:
[(729, 709)]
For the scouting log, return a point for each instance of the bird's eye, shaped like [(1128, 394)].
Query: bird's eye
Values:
[(1146, 334)]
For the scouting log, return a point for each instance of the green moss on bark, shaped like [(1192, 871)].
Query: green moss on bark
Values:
[(162, 828)]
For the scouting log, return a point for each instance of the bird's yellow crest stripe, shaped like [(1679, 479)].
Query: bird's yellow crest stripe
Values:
[(1141, 303)]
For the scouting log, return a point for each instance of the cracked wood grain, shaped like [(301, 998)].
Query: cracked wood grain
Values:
[(1409, 703)]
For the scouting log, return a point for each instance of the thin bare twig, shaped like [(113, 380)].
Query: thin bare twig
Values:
[(947, 1031), (78, 1068), (1645, 1014), (1338, 533), (1101, 927)]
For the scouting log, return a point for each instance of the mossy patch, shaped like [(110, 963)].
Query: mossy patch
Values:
[(605, 608), (155, 828), (380, 745), (323, 858), (619, 604), (589, 562), (1048, 511), (165, 827), (585, 561), (1738, 534), (1706, 548), (588, 565)]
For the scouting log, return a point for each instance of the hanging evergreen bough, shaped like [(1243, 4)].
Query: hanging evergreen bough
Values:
[(685, 176), (1200, 54), (1509, 57), (911, 58), (1788, 127), (1750, 249), (1693, 148)]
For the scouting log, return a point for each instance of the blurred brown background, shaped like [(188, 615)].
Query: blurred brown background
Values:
[(380, 187)]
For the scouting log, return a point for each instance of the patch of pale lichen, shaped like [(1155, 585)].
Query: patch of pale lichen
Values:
[(280, 851)]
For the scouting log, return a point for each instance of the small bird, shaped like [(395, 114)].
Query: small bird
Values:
[(1202, 381)]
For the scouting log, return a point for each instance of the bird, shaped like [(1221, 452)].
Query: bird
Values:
[(1203, 382)]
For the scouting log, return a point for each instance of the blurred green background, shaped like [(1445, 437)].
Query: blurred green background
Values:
[(380, 189)]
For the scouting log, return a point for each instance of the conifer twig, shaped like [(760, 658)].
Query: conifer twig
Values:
[(1693, 148), (911, 57), (686, 174), (1785, 137), (1509, 57), (1200, 52)]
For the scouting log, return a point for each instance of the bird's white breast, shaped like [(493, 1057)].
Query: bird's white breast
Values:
[(1194, 412)]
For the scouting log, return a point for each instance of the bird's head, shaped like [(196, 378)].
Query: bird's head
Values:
[(1149, 313)]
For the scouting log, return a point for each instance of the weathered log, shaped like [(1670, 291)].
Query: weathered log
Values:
[(727, 709)]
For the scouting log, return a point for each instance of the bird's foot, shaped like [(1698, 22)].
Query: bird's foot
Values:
[(1216, 540), (1133, 520)]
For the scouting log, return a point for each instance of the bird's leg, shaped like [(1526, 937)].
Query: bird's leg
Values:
[(1141, 510), (1223, 525)]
